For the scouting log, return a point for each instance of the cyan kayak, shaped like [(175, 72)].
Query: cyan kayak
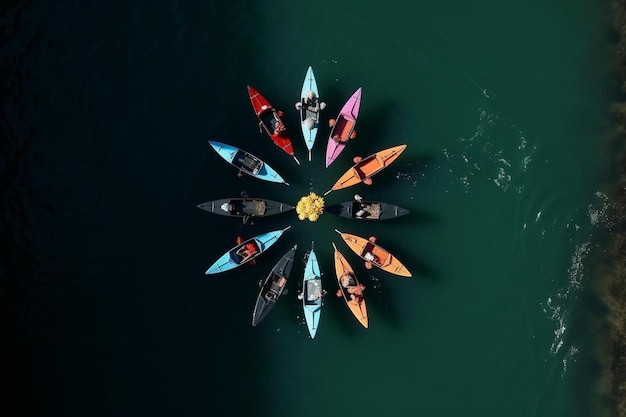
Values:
[(246, 162), (245, 251)]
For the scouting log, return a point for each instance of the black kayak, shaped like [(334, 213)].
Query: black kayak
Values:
[(366, 210), (245, 207), (273, 286)]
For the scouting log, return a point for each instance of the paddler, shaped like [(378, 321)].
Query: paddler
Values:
[(246, 251), (369, 256)]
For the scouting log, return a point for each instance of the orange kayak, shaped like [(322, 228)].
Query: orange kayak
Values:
[(365, 168), (375, 254), (350, 288)]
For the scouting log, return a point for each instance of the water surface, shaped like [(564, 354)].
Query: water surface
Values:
[(502, 108)]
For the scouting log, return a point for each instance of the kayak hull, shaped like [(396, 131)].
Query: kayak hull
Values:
[(246, 162), (356, 304), (309, 110), (366, 210), (272, 286), (366, 249), (245, 207), (230, 259), (342, 130), (268, 117), (312, 293), (368, 167)]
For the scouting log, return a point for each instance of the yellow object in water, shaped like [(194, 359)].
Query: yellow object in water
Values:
[(310, 207)]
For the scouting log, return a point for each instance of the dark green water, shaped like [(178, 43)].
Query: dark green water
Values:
[(503, 107)]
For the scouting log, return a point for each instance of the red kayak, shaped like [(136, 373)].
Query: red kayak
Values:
[(270, 121)]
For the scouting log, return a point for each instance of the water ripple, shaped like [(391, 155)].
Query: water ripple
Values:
[(497, 151), (558, 306)]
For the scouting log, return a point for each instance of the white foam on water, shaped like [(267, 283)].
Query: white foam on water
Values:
[(375, 283), (411, 177), (557, 307), (497, 150), (602, 213)]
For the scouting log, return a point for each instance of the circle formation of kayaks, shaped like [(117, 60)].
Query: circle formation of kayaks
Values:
[(273, 286)]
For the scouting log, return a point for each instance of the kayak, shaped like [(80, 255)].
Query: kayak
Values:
[(370, 252), (273, 286), (365, 168), (309, 106), (366, 210), (246, 162), (343, 127), (270, 121), (245, 251), (245, 207), (350, 288), (312, 292)]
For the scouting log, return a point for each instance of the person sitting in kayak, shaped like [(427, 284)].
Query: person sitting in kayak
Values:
[(228, 208), (349, 283), (247, 251), (364, 211), (279, 126), (312, 297), (310, 101), (370, 259), (356, 292), (346, 280)]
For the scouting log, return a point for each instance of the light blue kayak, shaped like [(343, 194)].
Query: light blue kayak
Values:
[(246, 162), (245, 251), (312, 293), (309, 106)]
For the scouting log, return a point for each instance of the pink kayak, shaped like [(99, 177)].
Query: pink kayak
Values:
[(343, 127)]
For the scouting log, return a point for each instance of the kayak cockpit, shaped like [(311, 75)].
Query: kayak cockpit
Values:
[(275, 289), (367, 167), (342, 129), (375, 254), (313, 291), (247, 162), (365, 210)]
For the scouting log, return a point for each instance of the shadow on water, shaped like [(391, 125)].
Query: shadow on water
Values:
[(99, 281), (46, 309), (22, 295), (373, 122)]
